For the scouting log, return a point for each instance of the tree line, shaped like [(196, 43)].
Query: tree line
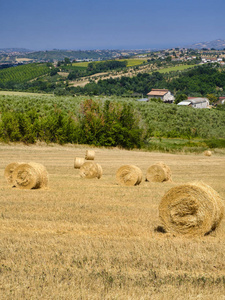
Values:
[(95, 123), (95, 67), (197, 82)]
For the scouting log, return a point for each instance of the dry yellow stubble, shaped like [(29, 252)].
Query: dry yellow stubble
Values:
[(94, 239)]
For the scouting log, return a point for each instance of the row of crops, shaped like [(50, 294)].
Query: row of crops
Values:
[(23, 73), (172, 121), (158, 120)]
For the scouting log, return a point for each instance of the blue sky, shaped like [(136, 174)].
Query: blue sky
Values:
[(106, 24)]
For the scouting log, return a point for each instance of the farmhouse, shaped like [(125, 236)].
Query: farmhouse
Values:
[(195, 102), (165, 95)]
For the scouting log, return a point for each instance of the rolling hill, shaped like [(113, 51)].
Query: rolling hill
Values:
[(216, 44)]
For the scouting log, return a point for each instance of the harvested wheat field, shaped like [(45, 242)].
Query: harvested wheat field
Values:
[(96, 239)]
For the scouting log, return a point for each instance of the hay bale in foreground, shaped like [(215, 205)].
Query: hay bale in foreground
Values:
[(78, 162), (90, 170), (30, 176), (158, 172), (193, 209), (207, 153), (129, 175), (9, 171), (90, 155)]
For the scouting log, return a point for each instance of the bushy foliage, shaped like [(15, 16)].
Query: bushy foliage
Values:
[(172, 121), (93, 122), (109, 122), (106, 65), (93, 68), (199, 81), (141, 84)]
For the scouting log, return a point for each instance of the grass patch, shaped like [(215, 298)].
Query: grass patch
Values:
[(13, 93), (134, 62), (130, 63), (176, 68), (215, 143), (177, 145), (82, 64)]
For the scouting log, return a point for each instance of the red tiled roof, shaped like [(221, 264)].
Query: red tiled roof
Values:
[(158, 92)]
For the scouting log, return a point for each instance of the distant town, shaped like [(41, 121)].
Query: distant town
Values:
[(10, 57)]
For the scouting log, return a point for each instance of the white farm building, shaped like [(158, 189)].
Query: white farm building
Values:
[(195, 102)]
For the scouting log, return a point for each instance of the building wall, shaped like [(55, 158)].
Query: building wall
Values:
[(200, 105), (152, 96), (168, 97)]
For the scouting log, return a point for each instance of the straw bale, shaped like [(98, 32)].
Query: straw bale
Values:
[(78, 162), (129, 175), (100, 171), (193, 209), (30, 176), (90, 155), (159, 172), (207, 153), (9, 171), (90, 170)]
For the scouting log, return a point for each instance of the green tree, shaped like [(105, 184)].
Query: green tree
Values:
[(66, 61), (180, 98), (212, 98)]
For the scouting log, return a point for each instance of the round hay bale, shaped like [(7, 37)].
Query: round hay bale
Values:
[(207, 153), (90, 170), (129, 175), (30, 176), (78, 162), (9, 171), (191, 209), (158, 172), (90, 155), (100, 171)]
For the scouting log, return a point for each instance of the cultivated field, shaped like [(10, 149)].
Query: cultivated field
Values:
[(176, 68), (14, 93), (92, 239), (130, 62)]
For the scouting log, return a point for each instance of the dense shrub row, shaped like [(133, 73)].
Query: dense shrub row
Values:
[(105, 122), (100, 124), (172, 121)]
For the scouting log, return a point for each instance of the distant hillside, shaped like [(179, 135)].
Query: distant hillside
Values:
[(13, 50), (61, 54), (14, 54), (216, 44)]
